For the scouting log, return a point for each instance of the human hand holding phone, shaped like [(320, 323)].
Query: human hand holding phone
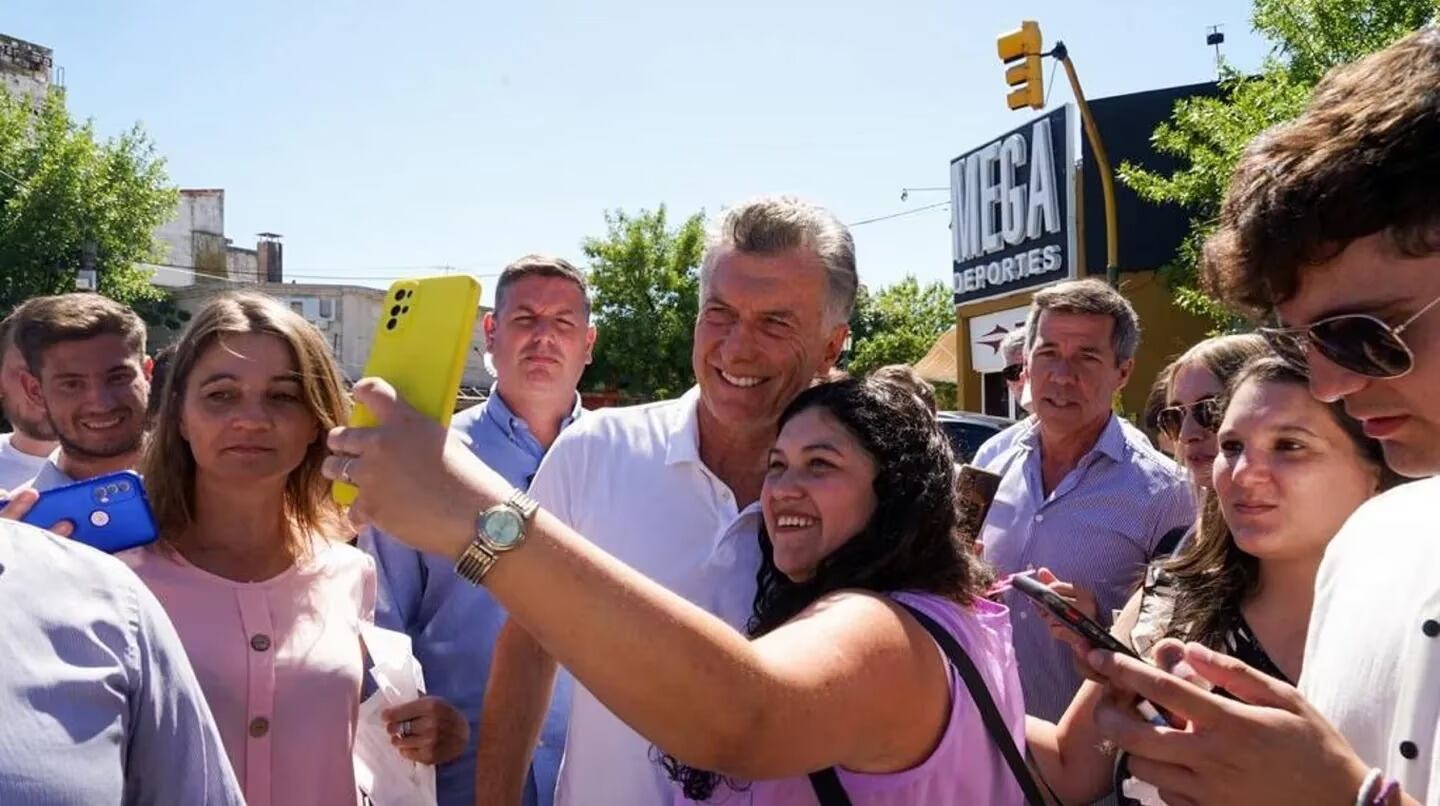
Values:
[(1078, 598), (18, 505), (1086, 627)]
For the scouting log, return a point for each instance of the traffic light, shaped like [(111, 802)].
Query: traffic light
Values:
[(1021, 50)]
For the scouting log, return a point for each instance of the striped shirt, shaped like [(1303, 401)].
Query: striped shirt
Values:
[(1097, 529)]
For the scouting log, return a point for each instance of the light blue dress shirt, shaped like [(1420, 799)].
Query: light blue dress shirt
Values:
[(454, 624), (98, 703), (1097, 529)]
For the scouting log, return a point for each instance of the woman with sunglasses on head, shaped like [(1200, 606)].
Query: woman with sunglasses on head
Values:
[(251, 564), (1190, 387), (1288, 472)]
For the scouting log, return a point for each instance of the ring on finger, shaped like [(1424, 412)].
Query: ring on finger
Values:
[(407, 728), (345, 470)]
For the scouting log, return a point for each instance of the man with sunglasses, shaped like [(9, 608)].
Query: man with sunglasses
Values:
[(1012, 351), (1332, 225)]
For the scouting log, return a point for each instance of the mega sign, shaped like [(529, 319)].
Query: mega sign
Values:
[(1012, 208)]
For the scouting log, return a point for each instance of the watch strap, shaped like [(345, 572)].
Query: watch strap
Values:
[(475, 562), (521, 502)]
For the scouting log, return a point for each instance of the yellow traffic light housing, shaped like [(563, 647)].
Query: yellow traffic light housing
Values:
[(1022, 51)]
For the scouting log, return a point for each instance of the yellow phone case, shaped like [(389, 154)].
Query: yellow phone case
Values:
[(421, 343)]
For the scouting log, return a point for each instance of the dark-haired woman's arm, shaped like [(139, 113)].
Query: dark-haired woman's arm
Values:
[(851, 681), (1069, 754)]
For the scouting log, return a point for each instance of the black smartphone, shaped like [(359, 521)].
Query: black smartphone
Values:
[(1088, 628)]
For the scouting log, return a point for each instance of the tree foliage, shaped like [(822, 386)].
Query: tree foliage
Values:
[(1208, 134), (645, 277), (64, 193), (897, 324)]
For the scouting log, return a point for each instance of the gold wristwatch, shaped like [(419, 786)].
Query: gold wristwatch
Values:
[(498, 529)]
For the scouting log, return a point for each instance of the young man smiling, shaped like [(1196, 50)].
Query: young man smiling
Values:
[(85, 368), (1332, 221)]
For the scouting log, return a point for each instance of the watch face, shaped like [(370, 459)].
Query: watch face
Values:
[(502, 526)]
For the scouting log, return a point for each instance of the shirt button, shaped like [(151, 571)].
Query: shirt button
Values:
[(259, 726), (259, 642), (1431, 628), (1409, 750), (1039, 518)]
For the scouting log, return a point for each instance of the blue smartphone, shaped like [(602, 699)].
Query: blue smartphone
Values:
[(110, 512)]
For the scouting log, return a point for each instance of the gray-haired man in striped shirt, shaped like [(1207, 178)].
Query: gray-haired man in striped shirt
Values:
[(1083, 492)]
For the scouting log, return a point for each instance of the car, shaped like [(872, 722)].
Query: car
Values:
[(968, 430)]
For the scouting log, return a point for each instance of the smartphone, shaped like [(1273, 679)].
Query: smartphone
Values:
[(421, 343), (1088, 628), (110, 512)]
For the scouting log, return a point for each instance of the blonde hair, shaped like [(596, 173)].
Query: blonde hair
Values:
[(168, 464)]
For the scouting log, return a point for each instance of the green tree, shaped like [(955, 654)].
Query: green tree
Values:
[(67, 198), (645, 278), (897, 324), (1308, 37)]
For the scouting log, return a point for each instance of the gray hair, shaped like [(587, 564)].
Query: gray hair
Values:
[(772, 224), (1089, 296), (1013, 345)]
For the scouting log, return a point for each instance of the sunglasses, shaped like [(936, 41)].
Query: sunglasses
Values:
[(1357, 342), (1012, 373), (1205, 412)]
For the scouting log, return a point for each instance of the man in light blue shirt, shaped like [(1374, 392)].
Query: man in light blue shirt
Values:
[(1082, 492), (540, 339), (98, 703)]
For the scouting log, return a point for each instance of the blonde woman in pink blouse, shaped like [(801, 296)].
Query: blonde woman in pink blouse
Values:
[(267, 601)]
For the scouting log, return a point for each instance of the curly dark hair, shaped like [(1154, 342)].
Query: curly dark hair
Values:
[(1361, 159), (910, 542), (1213, 577)]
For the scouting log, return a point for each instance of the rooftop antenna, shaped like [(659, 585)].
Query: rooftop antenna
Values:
[(1214, 38)]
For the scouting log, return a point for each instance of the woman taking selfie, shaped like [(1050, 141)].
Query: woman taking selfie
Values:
[(1288, 472), (266, 602), (836, 673)]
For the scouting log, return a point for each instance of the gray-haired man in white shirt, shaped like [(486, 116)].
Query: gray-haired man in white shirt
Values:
[(672, 489)]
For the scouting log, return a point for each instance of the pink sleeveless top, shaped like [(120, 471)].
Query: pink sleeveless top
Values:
[(966, 766)]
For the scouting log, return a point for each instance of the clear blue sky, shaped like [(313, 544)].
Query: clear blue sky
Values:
[(382, 135)]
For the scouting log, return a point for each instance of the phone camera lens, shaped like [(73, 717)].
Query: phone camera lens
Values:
[(390, 325), (405, 309), (395, 311), (399, 295)]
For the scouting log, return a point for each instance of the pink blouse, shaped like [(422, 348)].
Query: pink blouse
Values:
[(280, 664)]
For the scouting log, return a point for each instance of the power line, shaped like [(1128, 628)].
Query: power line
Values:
[(899, 214), (190, 270)]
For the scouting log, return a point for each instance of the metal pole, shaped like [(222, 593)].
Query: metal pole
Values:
[(1102, 164)]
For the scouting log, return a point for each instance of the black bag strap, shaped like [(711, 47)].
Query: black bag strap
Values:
[(1170, 541), (827, 784), (828, 789)]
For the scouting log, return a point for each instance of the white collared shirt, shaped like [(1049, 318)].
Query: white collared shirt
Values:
[(630, 481), (1372, 655)]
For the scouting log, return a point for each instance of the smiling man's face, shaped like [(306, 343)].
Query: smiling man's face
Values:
[(762, 334)]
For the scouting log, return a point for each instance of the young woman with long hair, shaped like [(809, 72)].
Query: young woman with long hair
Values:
[(1289, 471), (267, 601)]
